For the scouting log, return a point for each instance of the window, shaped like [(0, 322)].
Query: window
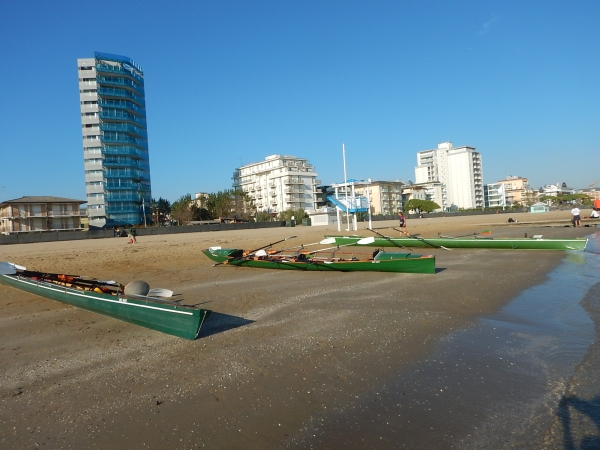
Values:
[(94, 183)]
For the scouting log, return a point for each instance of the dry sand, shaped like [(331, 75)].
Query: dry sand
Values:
[(284, 352)]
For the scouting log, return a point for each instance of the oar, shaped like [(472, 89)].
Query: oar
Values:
[(160, 292), (301, 246), (414, 236), (482, 233), (363, 241), (388, 239), (251, 252)]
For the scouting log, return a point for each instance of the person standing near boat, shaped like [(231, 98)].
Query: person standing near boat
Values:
[(576, 213), (402, 223), (597, 204)]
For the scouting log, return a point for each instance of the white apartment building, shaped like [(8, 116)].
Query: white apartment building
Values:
[(459, 169), (495, 195), (279, 183)]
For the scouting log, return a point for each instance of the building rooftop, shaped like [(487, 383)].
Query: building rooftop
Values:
[(43, 199)]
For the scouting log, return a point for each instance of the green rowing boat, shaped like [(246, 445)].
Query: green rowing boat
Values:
[(104, 298), (379, 261), (534, 243)]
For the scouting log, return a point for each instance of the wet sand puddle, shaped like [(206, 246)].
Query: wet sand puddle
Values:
[(496, 385)]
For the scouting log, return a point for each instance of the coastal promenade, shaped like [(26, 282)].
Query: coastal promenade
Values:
[(288, 359)]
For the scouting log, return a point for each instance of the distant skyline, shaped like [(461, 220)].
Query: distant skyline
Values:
[(231, 82)]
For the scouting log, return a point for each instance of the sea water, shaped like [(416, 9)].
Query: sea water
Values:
[(496, 385)]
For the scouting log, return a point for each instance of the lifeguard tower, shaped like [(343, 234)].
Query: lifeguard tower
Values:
[(346, 202)]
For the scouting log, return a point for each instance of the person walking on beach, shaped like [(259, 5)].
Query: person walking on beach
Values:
[(402, 223), (576, 213), (132, 235)]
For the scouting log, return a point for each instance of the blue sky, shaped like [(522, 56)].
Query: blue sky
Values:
[(230, 82)]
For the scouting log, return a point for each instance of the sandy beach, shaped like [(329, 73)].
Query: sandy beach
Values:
[(284, 355)]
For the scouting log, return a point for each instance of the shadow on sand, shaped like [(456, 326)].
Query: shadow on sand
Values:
[(573, 410), (219, 322)]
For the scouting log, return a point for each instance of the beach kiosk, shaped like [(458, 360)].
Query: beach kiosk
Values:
[(539, 207)]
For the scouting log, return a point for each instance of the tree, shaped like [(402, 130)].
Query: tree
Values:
[(418, 205), (229, 202), (262, 216), (298, 214), (161, 210), (181, 210)]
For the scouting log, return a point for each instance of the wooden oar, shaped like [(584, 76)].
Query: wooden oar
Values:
[(414, 236), (390, 240)]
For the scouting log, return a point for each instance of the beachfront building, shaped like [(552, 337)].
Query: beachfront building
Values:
[(115, 141), (592, 192), (40, 213), (278, 183), (557, 189), (518, 191), (458, 169), (495, 195), (386, 196)]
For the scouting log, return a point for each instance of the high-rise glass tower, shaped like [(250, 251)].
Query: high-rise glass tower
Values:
[(115, 141)]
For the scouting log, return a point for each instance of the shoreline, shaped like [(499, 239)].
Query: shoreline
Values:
[(280, 352)]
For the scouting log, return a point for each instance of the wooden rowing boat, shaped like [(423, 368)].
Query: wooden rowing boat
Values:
[(534, 243), (378, 261), (109, 299)]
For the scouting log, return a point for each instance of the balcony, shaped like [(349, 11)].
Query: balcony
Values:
[(293, 180), (108, 68)]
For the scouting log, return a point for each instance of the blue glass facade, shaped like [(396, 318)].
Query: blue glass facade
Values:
[(115, 135)]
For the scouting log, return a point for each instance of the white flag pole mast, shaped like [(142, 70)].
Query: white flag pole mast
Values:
[(346, 188)]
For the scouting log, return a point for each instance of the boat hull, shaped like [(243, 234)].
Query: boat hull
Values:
[(470, 242), (181, 321), (399, 263)]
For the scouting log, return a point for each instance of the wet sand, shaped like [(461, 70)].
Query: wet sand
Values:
[(284, 355)]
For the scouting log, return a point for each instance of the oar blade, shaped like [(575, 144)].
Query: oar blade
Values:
[(328, 241), (160, 292), (365, 241)]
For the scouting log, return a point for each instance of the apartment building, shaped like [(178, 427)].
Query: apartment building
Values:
[(386, 196), (39, 213), (458, 169), (517, 190), (279, 183), (495, 195), (115, 140)]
